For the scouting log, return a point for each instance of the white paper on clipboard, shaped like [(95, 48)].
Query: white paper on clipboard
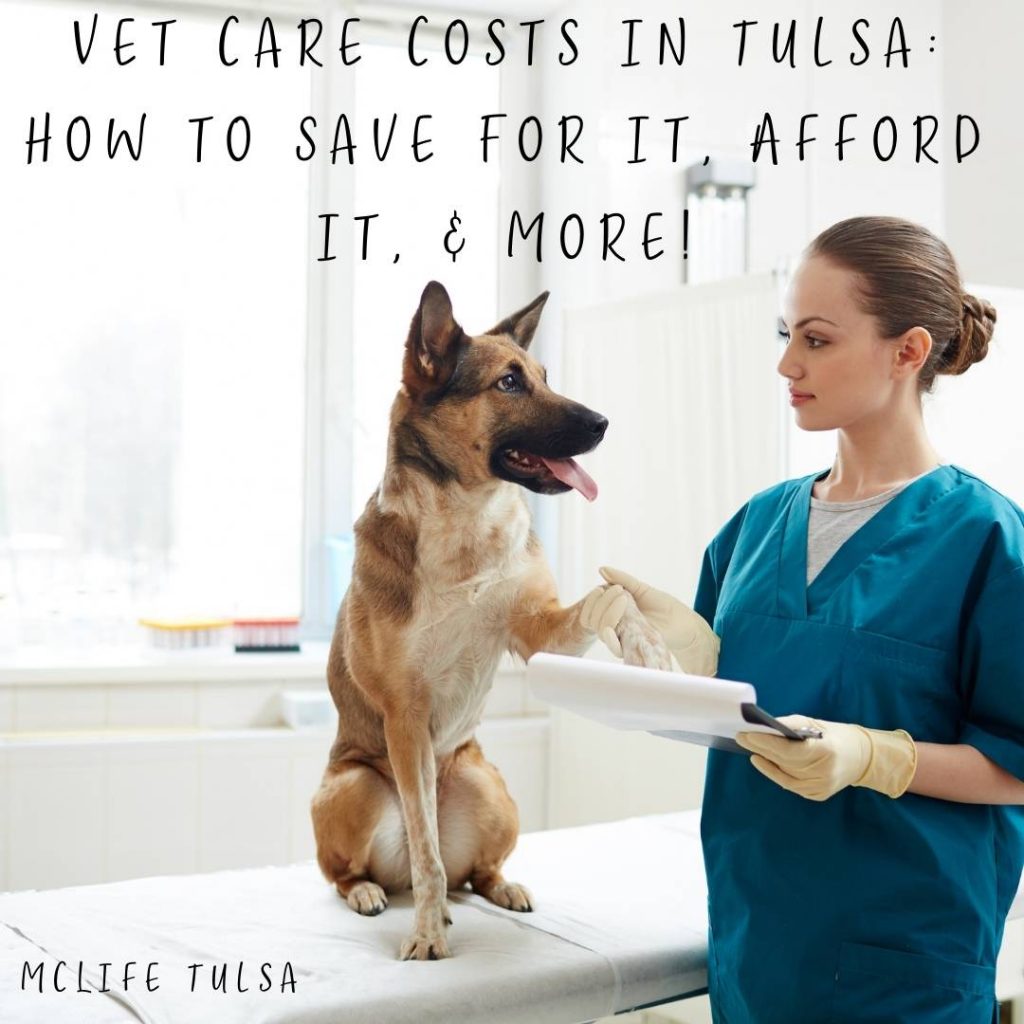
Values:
[(693, 709)]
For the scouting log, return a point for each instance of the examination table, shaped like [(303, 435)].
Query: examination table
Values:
[(620, 923)]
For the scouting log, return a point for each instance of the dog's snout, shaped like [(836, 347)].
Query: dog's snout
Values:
[(588, 426)]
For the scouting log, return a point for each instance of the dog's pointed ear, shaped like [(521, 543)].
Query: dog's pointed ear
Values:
[(522, 325), (431, 350)]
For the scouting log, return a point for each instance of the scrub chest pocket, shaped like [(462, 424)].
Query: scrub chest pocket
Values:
[(874, 667)]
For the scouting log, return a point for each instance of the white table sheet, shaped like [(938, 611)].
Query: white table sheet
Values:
[(620, 922)]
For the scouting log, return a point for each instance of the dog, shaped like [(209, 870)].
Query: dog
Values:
[(447, 576)]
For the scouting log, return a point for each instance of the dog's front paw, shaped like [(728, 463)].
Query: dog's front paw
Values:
[(425, 947), (367, 898), (429, 941), (511, 897), (641, 643)]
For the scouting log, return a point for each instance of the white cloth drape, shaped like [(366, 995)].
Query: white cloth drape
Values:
[(697, 411)]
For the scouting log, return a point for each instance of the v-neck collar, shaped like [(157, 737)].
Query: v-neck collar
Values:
[(798, 600)]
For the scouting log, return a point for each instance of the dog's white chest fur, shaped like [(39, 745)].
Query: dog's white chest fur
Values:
[(461, 622)]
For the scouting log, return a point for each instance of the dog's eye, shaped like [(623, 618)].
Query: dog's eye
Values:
[(510, 382)]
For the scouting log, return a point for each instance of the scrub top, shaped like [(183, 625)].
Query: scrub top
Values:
[(861, 907)]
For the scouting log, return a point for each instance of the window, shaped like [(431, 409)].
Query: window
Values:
[(187, 409), (153, 340)]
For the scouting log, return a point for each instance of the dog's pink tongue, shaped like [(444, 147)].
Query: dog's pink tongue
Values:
[(570, 472)]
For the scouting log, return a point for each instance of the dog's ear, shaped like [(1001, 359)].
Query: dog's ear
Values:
[(522, 325), (431, 350)]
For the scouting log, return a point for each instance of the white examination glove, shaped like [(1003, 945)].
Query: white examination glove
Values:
[(689, 638), (846, 755)]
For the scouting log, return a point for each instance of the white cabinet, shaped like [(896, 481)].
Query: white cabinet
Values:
[(101, 780)]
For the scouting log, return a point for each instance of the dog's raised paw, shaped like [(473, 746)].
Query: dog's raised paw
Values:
[(512, 897), (425, 947), (367, 898), (641, 643)]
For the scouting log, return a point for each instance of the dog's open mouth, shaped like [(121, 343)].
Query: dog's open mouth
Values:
[(546, 471)]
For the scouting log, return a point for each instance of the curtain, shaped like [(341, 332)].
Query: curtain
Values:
[(697, 415)]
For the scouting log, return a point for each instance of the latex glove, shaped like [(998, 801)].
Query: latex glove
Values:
[(846, 755), (601, 611), (690, 639)]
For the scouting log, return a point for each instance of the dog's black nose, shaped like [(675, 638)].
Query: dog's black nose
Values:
[(585, 424)]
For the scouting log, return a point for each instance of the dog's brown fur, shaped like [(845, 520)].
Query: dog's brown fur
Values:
[(448, 575)]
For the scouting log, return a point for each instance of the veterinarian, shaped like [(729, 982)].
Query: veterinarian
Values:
[(865, 875)]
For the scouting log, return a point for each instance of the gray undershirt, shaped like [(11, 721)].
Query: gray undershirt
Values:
[(832, 523)]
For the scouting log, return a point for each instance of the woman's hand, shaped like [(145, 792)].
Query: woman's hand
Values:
[(846, 755), (689, 638), (612, 614), (602, 609)]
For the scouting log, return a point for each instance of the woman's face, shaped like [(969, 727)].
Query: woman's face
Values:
[(840, 371)]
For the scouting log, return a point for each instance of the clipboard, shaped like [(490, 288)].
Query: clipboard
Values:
[(703, 710)]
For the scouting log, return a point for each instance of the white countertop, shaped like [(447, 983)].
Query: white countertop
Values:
[(143, 664)]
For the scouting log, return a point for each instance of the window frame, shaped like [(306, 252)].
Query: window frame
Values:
[(330, 428), (328, 461)]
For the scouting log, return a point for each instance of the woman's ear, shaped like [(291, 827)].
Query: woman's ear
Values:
[(912, 351)]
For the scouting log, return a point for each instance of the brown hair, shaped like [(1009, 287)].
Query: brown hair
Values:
[(908, 278)]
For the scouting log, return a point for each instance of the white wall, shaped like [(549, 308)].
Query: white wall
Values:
[(982, 77), (790, 202), (974, 420)]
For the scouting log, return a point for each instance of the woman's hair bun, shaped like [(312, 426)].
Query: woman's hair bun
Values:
[(970, 345)]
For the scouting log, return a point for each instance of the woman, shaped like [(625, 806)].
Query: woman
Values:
[(866, 875)]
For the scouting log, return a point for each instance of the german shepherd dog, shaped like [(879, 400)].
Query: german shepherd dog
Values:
[(448, 575)]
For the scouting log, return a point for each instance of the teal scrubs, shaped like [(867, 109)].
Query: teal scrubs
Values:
[(860, 907)]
